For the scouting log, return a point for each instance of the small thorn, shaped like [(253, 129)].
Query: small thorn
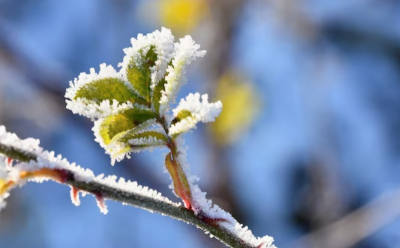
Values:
[(75, 196), (9, 162), (101, 203), (187, 204)]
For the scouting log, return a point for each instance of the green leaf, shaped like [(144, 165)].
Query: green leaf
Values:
[(120, 143), (157, 94), (181, 115), (107, 89), (124, 138), (140, 76), (122, 122)]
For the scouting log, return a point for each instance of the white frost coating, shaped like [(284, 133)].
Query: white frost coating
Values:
[(114, 149), (244, 233), (88, 108), (106, 71), (97, 123), (186, 51), (132, 187), (164, 44), (46, 159), (93, 110), (200, 111), (3, 202), (4, 171), (146, 141), (202, 206), (10, 139)]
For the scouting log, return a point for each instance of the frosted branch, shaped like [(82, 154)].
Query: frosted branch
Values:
[(108, 189)]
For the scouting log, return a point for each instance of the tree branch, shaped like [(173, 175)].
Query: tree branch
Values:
[(148, 203)]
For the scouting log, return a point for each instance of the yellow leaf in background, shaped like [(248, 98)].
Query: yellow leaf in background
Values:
[(240, 107), (182, 16)]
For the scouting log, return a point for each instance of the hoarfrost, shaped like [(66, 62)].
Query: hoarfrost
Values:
[(4, 171), (200, 111), (146, 141), (46, 159), (91, 109), (186, 51), (117, 150), (163, 41)]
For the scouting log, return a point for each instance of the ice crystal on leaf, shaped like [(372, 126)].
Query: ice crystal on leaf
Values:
[(161, 46), (192, 110), (186, 52)]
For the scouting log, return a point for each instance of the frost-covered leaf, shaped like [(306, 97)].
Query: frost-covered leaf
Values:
[(128, 136), (183, 114), (107, 89), (139, 72), (113, 125), (192, 110), (134, 141), (157, 93), (121, 122), (156, 50), (186, 51), (97, 95)]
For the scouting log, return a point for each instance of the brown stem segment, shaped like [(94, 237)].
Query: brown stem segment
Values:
[(179, 178), (181, 184)]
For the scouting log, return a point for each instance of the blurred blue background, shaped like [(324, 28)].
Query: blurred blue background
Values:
[(307, 149)]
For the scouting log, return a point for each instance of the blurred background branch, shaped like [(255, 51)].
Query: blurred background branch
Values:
[(356, 226)]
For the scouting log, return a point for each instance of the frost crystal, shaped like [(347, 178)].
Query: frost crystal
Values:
[(186, 52), (199, 111), (146, 141), (3, 177), (11, 140), (92, 109), (119, 150), (164, 44)]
